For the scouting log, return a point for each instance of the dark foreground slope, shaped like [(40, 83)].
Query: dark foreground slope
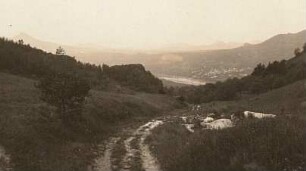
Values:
[(252, 145), (36, 139)]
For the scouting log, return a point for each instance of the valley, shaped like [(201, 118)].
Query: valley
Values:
[(58, 113), (142, 145)]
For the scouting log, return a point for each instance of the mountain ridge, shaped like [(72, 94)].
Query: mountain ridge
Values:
[(206, 65)]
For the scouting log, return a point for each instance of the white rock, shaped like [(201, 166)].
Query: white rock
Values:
[(184, 118), (208, 119), (218, 124), (189, 127), (248, 114)]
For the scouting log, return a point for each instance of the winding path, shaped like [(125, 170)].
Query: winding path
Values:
[(137, 152)]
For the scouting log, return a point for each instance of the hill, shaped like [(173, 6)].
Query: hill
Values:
[(251, 144), (24, 60), (33, 133), (123, 96), (285, 100), (215, 65), (35, 138), (83, 52), (206, 64), (262, 79)]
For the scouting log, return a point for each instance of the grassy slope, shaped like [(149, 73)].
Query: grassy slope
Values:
[(34, 138), (274, 144), (288, 100), (254, 145)]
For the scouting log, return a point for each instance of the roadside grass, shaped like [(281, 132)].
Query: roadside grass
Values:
[(166, 143), (268, 144)]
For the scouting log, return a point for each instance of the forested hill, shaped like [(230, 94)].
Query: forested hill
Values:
[(25, 60), (263, 78)]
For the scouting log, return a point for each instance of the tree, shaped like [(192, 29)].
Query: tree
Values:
[(276, 68), (60, 51), (304, 47), (66, 92), (20, 42), (297, 51), (259, 70)]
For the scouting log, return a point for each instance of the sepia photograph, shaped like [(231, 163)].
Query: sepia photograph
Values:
[(153, 85)]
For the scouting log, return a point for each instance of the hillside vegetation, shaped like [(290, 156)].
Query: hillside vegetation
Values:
[(24, 60), (36, 138), (252, 144), (263, 78), (109, 99)]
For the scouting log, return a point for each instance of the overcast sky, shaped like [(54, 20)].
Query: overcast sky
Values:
[(151, 23)]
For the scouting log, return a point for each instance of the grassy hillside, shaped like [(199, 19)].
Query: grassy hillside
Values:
[(289, 99), (37, 140), (252, 145), (24, 60), (36, 137)]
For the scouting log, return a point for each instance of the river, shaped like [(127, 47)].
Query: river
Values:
[(183, 80)]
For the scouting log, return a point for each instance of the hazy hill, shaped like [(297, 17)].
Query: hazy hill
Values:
[(186, 61), (86, 49), (51, 47), (221, 64)]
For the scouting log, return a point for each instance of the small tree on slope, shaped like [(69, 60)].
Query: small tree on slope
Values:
[(66, 92)]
